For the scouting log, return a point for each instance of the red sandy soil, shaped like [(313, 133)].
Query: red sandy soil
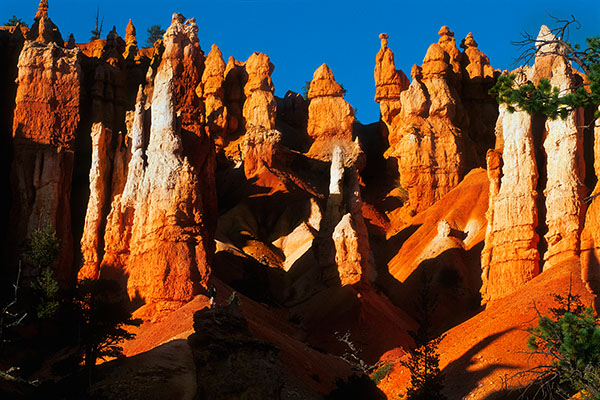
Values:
[(303, 362), (467, 203), (482, 356)]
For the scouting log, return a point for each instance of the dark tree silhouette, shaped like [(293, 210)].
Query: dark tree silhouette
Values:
[(14, 21), (155, 32), (543, 98), (103, 315), (97, 31)]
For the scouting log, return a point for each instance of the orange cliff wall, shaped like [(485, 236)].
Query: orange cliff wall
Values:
[(46, 119), (537, 176), (164, 215), (428, 123)]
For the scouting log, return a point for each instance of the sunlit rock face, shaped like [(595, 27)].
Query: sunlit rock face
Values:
[(159, 234), (330, 117), (539, 189), (424, 120), (46, 118), (259, 106), (510, 257)]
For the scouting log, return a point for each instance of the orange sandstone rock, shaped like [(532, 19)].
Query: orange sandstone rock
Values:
[(330, 117), (212, 91), (260, 106), (235, 79), (425, 134), (164, 218), (389, 83), (131, 47), (46, 119), (43, 29)]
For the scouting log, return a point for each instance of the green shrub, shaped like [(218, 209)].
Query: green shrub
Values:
[(43, 246), (46, 289), (382, 372), (570, 337)]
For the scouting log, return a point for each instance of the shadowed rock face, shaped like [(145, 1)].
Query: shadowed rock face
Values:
[(541, 185), (46, 119), (590, 237), (230, 363)]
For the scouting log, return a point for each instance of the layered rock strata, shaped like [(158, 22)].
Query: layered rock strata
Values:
[(513, 250), (45, 123), (164, 217), (211, 90), (330, 117), (260, 106), (424, 121)]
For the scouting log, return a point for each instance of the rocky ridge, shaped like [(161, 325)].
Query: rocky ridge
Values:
[(125, 151)]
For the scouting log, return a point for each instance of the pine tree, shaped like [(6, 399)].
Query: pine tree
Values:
[(97, 31), (543, 98), (103, 315), (14, 21), (155, 32), (570, 337), (423, 362), (42, 250)]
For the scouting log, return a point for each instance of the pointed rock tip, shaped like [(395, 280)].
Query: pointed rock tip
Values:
[(468, 41), (214, 48), (445, 31), (177, 18), (545, 33), (42, 9), (141, 97), (130, 30), (323, 72), (384, 40), (416, 72)]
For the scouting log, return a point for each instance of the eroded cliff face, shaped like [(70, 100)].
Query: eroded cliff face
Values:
[(330, 117), (425, 121), (260, 106), (510, 256), (211, 90), (164, 216), (41, 175), (540, 188)]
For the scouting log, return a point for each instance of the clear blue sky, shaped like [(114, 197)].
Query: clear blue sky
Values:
[(300, 35)]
